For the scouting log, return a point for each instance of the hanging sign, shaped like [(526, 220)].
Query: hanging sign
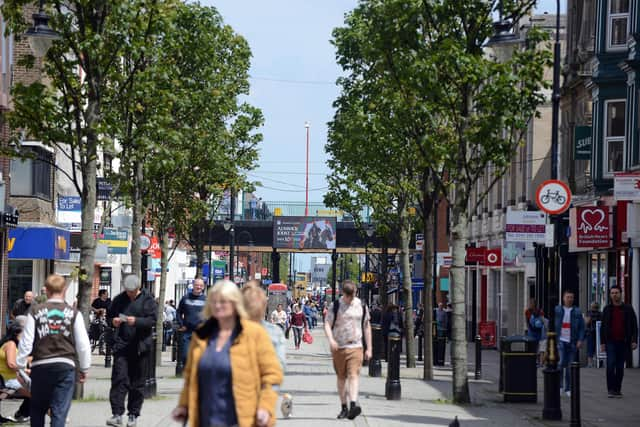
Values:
[(582, 143), (626, 186), (592, 227), (553, 197)]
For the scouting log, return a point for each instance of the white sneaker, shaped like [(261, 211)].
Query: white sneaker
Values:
[(287, 405)]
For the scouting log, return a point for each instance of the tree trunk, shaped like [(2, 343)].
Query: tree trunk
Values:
[(199, 248), (427, 293), (164, 260), (136, 223), (407, 294), (88, 240), (459, 343)]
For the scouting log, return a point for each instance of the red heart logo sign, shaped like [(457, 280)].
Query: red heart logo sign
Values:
[(593, 220)]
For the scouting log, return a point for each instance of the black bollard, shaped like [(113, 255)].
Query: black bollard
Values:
[(478, 357), (151, 378), (179, 362), (108, 341), (392, 387), (420, 346), (575, 395), (551, 409), (375, 366), (174, 346)]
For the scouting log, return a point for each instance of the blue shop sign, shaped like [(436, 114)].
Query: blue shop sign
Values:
[(39, 243)]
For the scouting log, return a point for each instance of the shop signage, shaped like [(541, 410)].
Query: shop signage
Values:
[(39, 243), (525, 226), (626, 186), (553, 197), (10, 217), (494, 257), (154, 250), (299, 232), (592, 227), (487, 332), (116, 240), (104, 189), (476, 255), (419, 241), (583, 142)]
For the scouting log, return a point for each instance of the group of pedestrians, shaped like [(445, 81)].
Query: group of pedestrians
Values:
[(618, 335)]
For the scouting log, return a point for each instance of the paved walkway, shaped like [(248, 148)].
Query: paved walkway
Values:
[(311, 381)]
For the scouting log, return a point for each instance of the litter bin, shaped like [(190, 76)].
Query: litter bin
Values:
[(518, 371)]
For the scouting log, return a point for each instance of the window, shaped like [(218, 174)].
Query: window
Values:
[(32, 177), (614, 138), (618, 24)]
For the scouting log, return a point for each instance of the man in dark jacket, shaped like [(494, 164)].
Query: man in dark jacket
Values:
[(618, 336), (133, 313), (189, 314)]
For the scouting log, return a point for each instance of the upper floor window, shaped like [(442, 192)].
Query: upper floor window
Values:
[(32, 177), (614, 137), (617, 24)]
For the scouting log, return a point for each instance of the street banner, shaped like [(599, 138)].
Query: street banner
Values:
[(525, 226), (494, 257), (626, 186), (419, 241), (476, 255), (300, 232), (592, 227)]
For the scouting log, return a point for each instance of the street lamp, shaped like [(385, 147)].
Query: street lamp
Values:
[(228, 226), (368, 231), (307, 125), (41, 36)]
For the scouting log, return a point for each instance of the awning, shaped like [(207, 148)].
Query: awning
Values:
[(38, 241)]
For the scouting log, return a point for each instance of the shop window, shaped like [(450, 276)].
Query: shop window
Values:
[(617, 24), (614, 138), (32, 176)]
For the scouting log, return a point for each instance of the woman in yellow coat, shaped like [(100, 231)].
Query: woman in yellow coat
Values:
[(232, 369)]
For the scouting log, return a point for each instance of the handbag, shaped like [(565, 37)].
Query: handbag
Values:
[(286, 332), (306, 337)]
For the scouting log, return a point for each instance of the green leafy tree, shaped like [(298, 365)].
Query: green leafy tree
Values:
[(68, 108), (418, 76)]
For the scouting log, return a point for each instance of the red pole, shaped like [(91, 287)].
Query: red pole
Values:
[(306, 199)]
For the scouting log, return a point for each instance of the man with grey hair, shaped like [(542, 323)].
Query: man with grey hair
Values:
[(133, 314), (189, 314)]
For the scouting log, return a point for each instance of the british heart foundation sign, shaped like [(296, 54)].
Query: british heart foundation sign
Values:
[(592, 227)]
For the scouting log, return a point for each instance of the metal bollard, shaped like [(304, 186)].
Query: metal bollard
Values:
[(478, 357), (108, 341), (392, 386), (420, 345), (551, 410), (575, 395), (375, 366), (179, 361)]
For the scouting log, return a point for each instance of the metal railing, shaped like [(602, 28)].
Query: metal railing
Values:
[(266, 210)]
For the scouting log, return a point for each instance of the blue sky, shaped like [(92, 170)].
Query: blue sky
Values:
[(293, 73)]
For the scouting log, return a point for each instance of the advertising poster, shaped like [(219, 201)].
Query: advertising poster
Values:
[(300, 232)]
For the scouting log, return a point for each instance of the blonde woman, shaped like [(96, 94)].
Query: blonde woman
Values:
[(232, 369)]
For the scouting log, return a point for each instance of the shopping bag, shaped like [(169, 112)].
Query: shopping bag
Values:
[(306, 337), (286, 332)]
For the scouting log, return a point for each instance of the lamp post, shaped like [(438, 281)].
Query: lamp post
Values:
[(307, 126), (228, 226), (551, 409), (41, 36), (368, 232)]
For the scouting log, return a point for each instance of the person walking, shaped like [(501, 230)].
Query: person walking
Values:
[(298, 325), (255, 302), (346, 325), (23, 305), (279, 317), (569, 325), (56, 339), (591, 320), (535, 326), (170, 315), (232, 371), (306, 309), (618, 336), (133, 313), (189, 315)]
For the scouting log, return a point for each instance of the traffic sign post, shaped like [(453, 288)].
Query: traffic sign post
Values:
[(553, 197)]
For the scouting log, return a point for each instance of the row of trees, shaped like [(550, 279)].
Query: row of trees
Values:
[(148, 94), (424, 112)]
